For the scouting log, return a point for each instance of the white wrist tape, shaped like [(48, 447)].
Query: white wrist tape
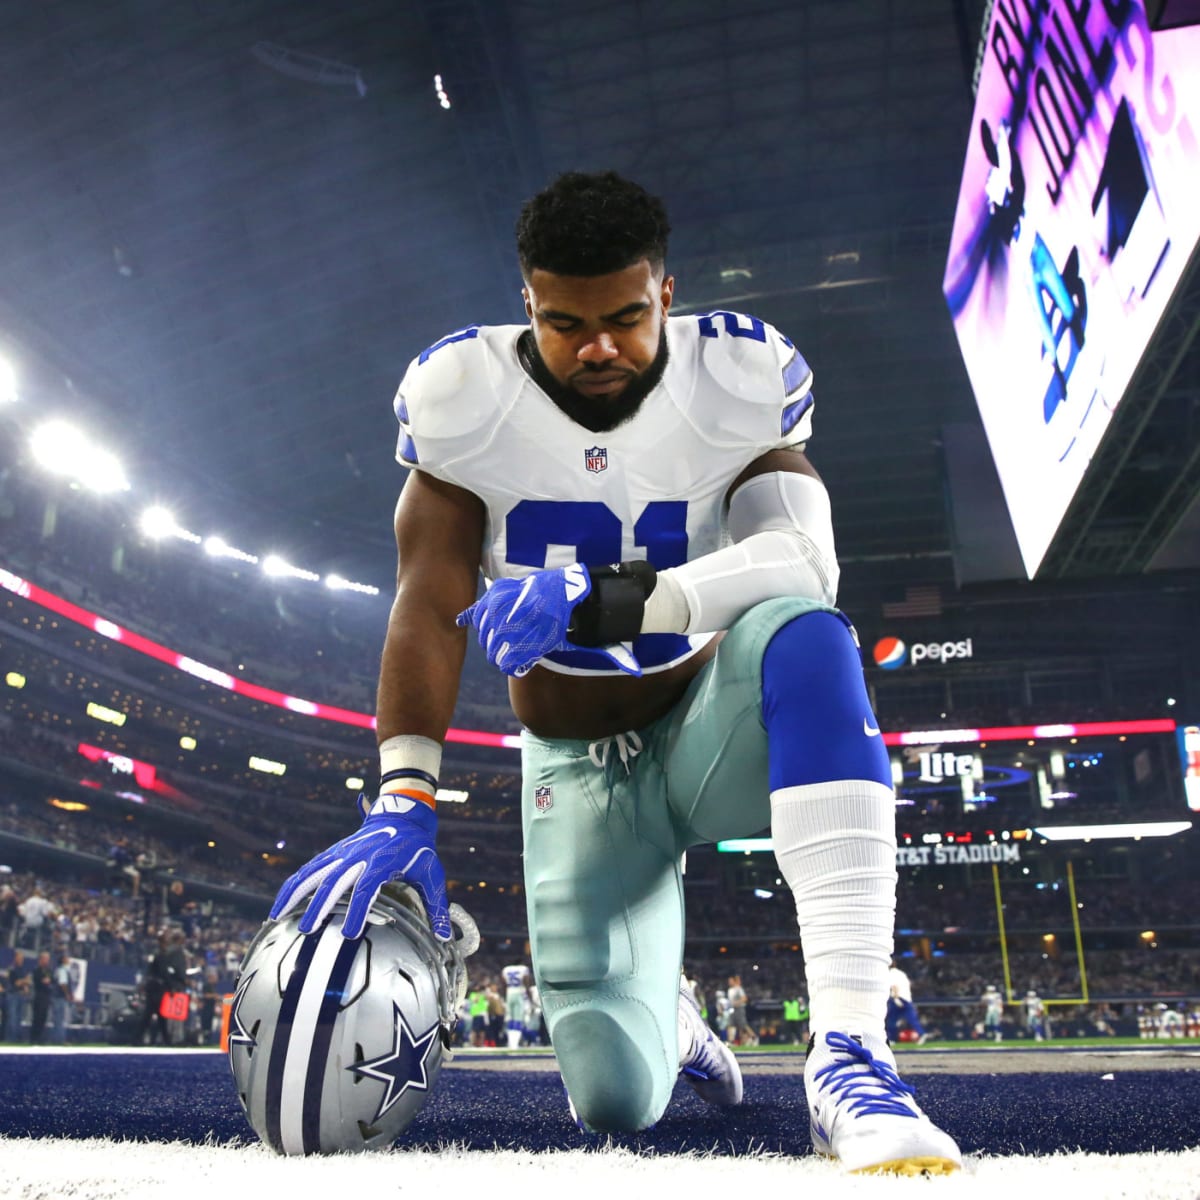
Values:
[(408, 752), (782, 527)]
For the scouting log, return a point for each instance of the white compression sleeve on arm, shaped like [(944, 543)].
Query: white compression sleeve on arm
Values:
[(782, 527)]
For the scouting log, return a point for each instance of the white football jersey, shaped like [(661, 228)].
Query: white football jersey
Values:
[(899, 984), (653, 488), (514, 976)]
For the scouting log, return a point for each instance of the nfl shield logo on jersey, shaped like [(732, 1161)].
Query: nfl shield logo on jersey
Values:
[(543, 797), (596, 459)]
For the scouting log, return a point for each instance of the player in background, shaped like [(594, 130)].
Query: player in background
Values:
[(531, 1013), (661, 594), (901, 1006), (1169, 1022), (993, 1012), (1035, 1016), (514, 1003)]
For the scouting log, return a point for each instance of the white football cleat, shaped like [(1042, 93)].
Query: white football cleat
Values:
[(863, 1114), (705, 1061)]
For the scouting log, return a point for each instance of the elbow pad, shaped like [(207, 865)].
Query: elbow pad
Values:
[(782, 527)]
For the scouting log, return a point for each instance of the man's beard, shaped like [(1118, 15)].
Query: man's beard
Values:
[(599, 414)]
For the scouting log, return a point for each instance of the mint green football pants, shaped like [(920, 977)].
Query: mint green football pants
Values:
[(603, 886)]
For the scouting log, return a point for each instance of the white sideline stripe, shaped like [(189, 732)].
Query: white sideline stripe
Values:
[(295, 1067), (40, 1167)]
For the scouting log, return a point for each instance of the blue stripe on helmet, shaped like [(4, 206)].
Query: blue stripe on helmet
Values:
[(314, 1079), (283, 1035)]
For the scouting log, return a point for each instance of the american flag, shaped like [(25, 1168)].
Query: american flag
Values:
[(921, 601)]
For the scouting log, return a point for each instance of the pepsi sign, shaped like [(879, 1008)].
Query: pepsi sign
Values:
[(891, 653)]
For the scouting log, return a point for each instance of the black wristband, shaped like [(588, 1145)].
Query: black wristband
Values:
[(612, 611)]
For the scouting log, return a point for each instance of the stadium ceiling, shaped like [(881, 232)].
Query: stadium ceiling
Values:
[(233, 223)]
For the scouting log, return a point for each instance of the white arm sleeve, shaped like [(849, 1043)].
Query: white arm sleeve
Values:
[(782, 527)]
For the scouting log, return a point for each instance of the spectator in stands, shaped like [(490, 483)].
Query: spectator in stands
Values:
[(63, 999), (43, 993), (167, 973), (121, 863), (19, 986), (36, 912), (8, 912), (209, 996)]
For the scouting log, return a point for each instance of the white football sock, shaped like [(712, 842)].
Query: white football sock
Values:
[(836, 847)]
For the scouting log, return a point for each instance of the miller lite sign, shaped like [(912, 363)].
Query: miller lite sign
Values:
[(596, 459)]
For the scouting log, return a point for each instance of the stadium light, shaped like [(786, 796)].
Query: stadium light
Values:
[(218, 547), (15, 679), (354, 783), (745, 845), (1084, 833), (267, 765), (8, 382), (64, 449), (100, 712), (157, 522), (279, 568), (337, 583)]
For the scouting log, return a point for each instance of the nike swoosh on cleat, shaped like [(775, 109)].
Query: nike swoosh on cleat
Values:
[(868, 730)]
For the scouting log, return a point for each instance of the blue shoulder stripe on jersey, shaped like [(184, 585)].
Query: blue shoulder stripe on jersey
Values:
[(400, 408), (793, 413), (795, 373), (651, 650), (462, 335), (407, 449), (318, 1059)]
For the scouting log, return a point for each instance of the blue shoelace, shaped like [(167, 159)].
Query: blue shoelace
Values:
[(706, 1063), (878, 1089)]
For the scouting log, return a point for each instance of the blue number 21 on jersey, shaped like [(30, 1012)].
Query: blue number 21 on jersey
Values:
[(533, 526)]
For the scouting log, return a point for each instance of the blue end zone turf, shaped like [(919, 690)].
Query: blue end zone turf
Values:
[(188, 1097)]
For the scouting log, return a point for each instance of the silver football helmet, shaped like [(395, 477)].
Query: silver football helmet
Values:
[(335, 1044)]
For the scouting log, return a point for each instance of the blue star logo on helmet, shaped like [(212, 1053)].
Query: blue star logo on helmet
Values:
[(239, 1035), (404, 1067)]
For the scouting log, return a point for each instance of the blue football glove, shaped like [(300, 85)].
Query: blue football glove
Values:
[(519, 621), (395, 843)]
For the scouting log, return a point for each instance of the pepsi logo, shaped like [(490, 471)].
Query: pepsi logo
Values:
[(890, 653)]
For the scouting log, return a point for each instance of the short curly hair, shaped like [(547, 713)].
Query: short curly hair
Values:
[(591, 224)]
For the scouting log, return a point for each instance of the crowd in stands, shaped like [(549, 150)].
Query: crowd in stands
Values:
[(113, 925), (117, 919)]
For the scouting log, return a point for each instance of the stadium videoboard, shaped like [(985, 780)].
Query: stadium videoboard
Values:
[(1076, 217)]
